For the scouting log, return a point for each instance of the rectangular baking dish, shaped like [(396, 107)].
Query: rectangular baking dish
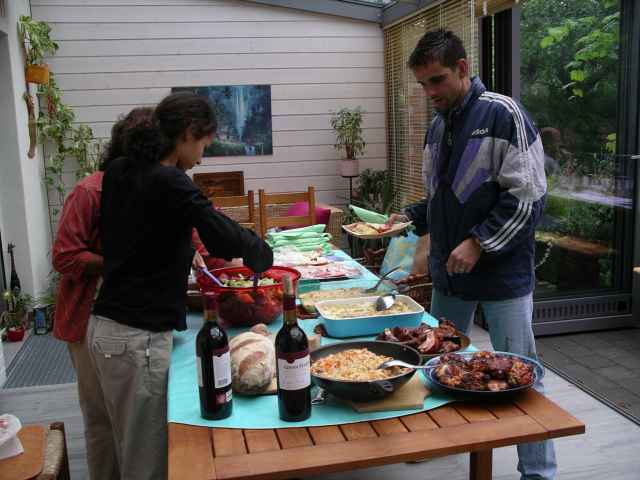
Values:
[(370, 325)]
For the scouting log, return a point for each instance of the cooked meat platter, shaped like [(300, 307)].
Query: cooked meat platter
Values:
[(483, 374)]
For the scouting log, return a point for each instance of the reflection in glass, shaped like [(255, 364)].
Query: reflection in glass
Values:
[(580, 239), (569, 84)]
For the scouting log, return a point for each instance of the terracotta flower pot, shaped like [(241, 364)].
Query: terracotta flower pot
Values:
[(37, 74), (349, 168), (15, 334)]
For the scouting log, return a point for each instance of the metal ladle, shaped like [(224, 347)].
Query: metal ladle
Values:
[(385, 302), (400, 363)]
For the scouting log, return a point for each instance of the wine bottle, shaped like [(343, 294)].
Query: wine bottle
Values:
[(14, 283), (213, 362), (293, 362)]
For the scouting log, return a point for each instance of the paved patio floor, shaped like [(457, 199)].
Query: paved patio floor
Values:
[(606, 363)]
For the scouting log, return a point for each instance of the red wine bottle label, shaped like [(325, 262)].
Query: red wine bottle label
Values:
[(199, 367), (294, 370), (222, 369)]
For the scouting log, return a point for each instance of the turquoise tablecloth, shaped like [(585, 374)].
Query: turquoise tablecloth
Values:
[(262, 411)]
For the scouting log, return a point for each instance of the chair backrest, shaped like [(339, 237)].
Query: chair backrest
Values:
[(269, 219), (220, 184), (235, 205)]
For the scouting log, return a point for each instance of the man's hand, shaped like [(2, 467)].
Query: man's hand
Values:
[(464, 257), (396, 218)]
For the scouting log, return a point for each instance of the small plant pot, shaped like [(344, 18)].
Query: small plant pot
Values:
[(15, 334), (349, 168), (38, 74)]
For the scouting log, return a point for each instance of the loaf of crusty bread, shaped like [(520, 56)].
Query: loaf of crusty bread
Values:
[(253, 362)]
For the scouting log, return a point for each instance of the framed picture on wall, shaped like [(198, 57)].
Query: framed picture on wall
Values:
[(244, 119)]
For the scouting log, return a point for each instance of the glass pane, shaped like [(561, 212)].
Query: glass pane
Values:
[(569, 84), (583, 239), (569, 75)]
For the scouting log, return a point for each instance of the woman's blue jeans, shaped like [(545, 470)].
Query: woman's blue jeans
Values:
[(510, 330)]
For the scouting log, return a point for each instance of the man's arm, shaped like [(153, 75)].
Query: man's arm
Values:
[(523, 184), (72, 249)]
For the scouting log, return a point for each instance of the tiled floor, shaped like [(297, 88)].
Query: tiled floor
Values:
[(605, 363)]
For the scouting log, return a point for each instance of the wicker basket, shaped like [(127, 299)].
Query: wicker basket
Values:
[(334, 226), (421, 291)]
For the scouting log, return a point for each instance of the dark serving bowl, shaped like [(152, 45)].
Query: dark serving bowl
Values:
[(464, 394), (363, 391)]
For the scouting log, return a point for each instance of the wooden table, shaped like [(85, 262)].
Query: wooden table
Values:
[(218, 453)]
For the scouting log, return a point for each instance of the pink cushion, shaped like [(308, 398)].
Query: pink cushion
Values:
[(302, 208)]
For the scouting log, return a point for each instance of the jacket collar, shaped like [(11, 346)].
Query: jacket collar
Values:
[(477, 88)]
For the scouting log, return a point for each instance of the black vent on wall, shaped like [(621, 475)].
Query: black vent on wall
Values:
[(545, 311)]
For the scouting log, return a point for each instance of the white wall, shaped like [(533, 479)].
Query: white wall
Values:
[(23, 204), (118, 54)]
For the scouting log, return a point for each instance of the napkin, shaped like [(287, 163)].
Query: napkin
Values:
[(304, 239), (368, 216), (10, 445)]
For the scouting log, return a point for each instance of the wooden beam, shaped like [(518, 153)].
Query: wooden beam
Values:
[(491, 7)]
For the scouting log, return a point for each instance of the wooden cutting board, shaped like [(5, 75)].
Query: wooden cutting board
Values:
[(410, 397)]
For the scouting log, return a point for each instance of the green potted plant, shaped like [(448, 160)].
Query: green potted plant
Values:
[(347, 123), (15, 318), (36, 43)]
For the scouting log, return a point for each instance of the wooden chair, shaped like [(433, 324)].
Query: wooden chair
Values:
[(56, 457), (219, 184), (270, 217), (239, 207)]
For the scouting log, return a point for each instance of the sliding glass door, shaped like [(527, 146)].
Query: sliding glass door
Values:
[(567, 64)]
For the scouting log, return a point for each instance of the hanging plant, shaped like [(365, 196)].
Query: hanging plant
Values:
[(86, 150), (55, 124), (37, 43), (56, 128)]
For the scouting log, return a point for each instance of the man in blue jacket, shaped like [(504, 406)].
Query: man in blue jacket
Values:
[(483, 172)]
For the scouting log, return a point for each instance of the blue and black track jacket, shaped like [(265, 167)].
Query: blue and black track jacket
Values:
[(483, 171)]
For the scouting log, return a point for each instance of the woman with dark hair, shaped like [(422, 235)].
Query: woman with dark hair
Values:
[(77, 256), (148, 211)]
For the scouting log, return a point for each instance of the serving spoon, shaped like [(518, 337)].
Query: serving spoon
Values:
[(400, 363), (384, 302), (211, 276), (375, 287)]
